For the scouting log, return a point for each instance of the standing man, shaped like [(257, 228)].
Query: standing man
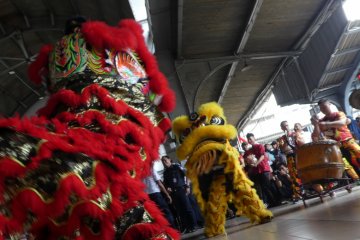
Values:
[(261, 171), (287, 146), (154, 187), (280, 157), (334, 126), (174, 181)]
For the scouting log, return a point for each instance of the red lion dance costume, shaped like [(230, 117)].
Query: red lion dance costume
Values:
[(75, 172)]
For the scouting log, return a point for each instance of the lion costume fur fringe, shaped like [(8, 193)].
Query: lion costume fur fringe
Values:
[(204, 141), (75, 172)]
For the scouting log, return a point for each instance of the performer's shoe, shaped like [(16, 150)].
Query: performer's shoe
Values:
[(266, 219), (188, 230)]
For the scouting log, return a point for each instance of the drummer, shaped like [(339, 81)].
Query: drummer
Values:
[(334, 126), (301, 137), (287, 146)]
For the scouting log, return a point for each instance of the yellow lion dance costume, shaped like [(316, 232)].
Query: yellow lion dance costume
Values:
[(213, 167)]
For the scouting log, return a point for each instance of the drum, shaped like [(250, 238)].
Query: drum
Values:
[(319, 161)]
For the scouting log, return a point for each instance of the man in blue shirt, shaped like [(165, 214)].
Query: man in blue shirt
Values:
[(174, 181)]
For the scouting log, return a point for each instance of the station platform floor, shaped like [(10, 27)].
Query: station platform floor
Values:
[(337, 218)]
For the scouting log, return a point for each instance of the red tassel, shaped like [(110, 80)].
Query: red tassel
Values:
[(37, 68), (102, 36), (168, 101)]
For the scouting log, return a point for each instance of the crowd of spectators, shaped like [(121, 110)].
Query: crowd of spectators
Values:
[(271, 166), (172, 194)]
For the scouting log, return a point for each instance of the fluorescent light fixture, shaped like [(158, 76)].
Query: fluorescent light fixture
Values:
[(139, 9), (141, 16), (352, 9)]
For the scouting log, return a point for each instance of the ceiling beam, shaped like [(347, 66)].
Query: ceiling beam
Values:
[(12, 58), (352, 31), (264, 93), (13, 67), (24, 15), (327, 10), (338, 53), (19, 40), (2, 29), (242, 56), (283, 78), (212, 72), (180, 15), (338, 69), (50, 9), (75, 7), (101, 12), (334, 55), (13, 73), (302, 77), (7, 93), (241, 47), (329, 87)]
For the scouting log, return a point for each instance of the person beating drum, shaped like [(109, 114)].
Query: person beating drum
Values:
[(334, 126), (302, 138)]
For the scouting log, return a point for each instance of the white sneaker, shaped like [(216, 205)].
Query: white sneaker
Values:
[(332, 194)]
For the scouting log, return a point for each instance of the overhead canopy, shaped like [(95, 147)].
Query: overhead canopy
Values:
[(232, 52), (27, 25), (325, 65)]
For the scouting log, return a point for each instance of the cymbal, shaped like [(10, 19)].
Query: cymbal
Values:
[(354, 99)]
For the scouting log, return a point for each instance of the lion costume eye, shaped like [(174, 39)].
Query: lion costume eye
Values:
[(193, 116), (184, 134), (217, 121)]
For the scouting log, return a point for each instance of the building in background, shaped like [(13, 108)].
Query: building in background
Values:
[(265, 124)]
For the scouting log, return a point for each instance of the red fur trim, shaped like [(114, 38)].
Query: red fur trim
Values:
[(9, 167), (35, 70), (147, 231), (158, 83), (116, 157), (168, 101), (165, 124), (131, 25), (102, 36), (71, 99), (79, 238)]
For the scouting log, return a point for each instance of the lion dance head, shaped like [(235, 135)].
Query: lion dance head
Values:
[(214, 169), (203, 136), (76, 171)]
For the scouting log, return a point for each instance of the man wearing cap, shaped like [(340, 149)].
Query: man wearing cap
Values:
[(287, 146), (334, 126), (260, 170)]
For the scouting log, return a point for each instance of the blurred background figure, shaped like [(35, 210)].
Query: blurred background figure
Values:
[(179, 189), (155, 188)]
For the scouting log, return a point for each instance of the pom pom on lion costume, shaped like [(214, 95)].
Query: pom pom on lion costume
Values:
[(76, 171), (214, 169)]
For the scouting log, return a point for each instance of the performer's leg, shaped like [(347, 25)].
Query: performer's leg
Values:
[(216, 208), (246, 201), (163, 206), (296, 182), (354, 150), (350, 170)]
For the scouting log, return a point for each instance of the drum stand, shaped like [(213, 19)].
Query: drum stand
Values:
[(308, 192)]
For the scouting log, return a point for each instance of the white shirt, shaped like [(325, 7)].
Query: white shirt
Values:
[(150, 182), (307, 137)]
